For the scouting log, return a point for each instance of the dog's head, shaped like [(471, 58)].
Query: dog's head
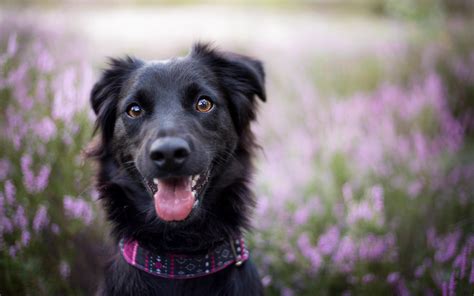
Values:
[(175, 134)]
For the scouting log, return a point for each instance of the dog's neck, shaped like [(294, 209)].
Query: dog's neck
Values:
[(185, 266)]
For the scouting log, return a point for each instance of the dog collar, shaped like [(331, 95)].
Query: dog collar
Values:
[(176, 266)]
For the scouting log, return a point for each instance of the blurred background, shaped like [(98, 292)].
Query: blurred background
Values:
[(366, 182)]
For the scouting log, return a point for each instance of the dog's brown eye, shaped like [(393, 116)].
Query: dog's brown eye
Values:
[(204, 104), (134, 111)]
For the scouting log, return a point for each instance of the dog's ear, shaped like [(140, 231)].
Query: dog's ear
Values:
[(104, 94), (241, 79)]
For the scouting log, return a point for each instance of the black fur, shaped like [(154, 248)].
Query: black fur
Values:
[(221, 140)]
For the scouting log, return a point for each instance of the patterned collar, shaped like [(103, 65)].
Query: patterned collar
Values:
[(174, 266)]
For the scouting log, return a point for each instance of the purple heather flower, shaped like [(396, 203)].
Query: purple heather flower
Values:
[(34, 184), (329, 240), (452, 285), (42, 178), (19, 219), (419, 271), (41, 219), (377, 197), (28, 176), (290, 257), (301, 215), (402, 289), (5, 167), (446, 246), (373, 248), (10, 192), (64, 269), (471, 277), (6, 226), (461, 262), (393, 278), (347, 192), (368, 278), (360, 211), (309, 252), (12, 44), (78, 208), (287, 292), (12, 251), (55, 228), (444, 289), (266, 280), (45, 129), (346, 254), (25, 237), (44, 61)]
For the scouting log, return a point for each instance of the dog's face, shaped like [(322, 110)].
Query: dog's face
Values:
[(174, 126)]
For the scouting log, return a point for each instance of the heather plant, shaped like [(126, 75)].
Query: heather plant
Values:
[(45, 188), (370, 193)]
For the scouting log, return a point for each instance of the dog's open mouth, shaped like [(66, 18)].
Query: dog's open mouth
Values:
[(176, 197)]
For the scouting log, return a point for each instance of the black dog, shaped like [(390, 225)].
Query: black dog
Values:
[(175, 161)]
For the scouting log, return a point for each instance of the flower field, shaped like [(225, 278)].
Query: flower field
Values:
[(365, 182)]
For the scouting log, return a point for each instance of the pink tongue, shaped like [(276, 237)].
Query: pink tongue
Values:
[(174, 199)]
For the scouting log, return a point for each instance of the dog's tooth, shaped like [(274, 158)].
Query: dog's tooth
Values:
[(194, 183), (155, 181), (196, 203)]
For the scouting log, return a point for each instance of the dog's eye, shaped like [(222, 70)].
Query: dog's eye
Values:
[(204, 104), (134, 110)]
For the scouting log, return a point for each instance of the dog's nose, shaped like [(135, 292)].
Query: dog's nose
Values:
[(169, 153)]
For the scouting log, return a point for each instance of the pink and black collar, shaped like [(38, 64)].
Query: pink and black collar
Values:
[(174, 266)]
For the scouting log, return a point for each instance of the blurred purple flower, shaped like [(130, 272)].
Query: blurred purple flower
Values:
[(373, 248), (393, 278), (5, 167), (301, 215), (401, 288), (10, 192), (309, 252), (19, 218), (420, 270), (44, 60), (471, 277), (45, 129), (287, 292), (78, 208), (28, 176), (329, 240), (41, 219), (12, 45), (360, 211), (12, 251), (368, 278), (55, 228), (34, 184), (461, 262), (266, 280), (64, 269), (6, 225), (42, 178), (377, 198), (446, 246), (347, 192), (452, 285), (25, 237), (346, 255)]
